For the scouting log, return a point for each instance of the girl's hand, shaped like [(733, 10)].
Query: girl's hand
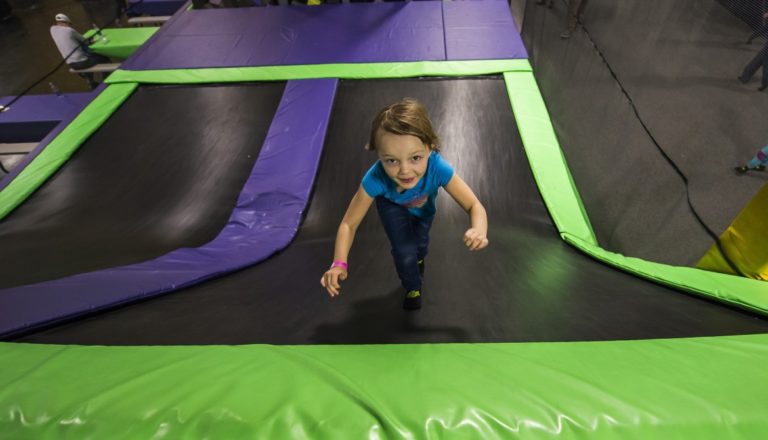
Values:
[(331, 280), (475, 240)]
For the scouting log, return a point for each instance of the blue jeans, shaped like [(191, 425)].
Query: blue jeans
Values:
[(760, 60), (409, 236)]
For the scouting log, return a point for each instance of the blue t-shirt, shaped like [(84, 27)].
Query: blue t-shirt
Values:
[(420, 200)]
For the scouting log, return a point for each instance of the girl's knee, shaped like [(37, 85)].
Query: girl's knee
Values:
[(406, 254)]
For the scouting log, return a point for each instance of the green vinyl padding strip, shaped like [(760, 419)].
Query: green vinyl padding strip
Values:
[(548, 164), (699, 388), (60, 149), (343, 71), (119, 42), (564, 204)]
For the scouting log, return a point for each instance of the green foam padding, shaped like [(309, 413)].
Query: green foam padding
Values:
[(61, 148), (699, 388), (119, 42), (564, 204)]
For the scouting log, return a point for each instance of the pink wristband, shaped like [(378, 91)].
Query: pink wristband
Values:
[(342, 264)]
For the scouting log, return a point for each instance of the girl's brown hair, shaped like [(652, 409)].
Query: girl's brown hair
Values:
[(407, 116)]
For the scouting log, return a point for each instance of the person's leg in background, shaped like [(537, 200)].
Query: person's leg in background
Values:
[(750, 69), (760, 60), (93, 59), (92, 83)]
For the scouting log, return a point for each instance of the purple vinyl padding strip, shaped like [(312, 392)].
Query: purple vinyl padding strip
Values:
[(32, 117), (295, 35), (264, 221), (154, 7), (481, 30), (81, 99)]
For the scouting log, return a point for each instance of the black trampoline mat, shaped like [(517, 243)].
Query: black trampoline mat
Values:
[(527, 286), (163, 173)]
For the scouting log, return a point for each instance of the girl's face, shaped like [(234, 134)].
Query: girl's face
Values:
[(404, 158)]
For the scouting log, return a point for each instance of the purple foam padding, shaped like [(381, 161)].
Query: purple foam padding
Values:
[(32, 117), (292, 35), (481, 30), (154, 7), (264, 221)]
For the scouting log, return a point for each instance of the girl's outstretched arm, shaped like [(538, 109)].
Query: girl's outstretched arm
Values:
[(356, 211), (476, 236)]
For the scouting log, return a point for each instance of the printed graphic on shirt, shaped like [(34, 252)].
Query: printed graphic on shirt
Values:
[(417, 202)]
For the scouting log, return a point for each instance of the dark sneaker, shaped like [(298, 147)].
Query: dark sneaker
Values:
[(741, 170), (743, 80), (421, 267), (412, 300), (760, 168)]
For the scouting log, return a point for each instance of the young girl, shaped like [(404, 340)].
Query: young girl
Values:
[(404, 183)]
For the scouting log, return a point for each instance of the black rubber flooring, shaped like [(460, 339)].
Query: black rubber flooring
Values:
[(527, 286), (678, 62)]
